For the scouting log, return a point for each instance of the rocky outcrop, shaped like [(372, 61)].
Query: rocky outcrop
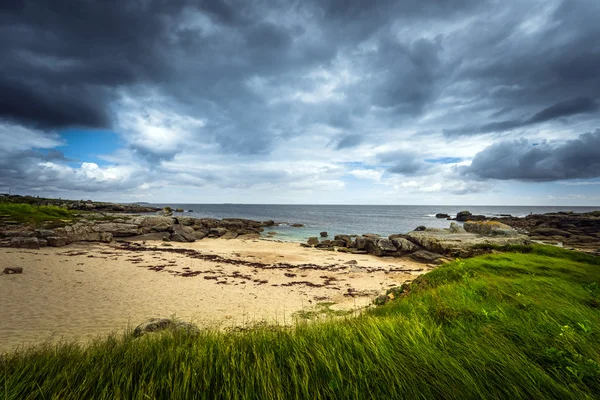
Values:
[(118, 229), (441, 215), (25, 242), (443, 241), (87, 205), (489, 228), (574, 230)]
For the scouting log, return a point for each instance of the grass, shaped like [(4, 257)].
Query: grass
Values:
[(516, 325), (36, 215)]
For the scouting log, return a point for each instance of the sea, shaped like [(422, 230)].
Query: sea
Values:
[(351, 219)]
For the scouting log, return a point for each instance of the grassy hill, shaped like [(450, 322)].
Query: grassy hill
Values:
[(515, 325)]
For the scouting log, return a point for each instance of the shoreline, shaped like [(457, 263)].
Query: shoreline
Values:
[(83, 291)]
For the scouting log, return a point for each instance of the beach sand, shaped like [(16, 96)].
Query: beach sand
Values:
[(83, 291)]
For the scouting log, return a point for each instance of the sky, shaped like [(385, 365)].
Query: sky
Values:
[(465, 102)]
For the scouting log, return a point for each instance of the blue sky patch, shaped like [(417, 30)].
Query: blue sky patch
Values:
[(444, 160), (88, 145)]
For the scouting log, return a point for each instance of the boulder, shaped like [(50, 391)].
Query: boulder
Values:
[(198, 235), (489, 228), (456, 228), (165, 212), (57, 241), (404, 245), (440, 215), (345, 238), (13, 270), (323, 234), (337, 243), (386, 245), (297, 225), (313, 241), (179, 210), (217, 231), (118, 230), (186, 221), (463, 216), (361, 242), (229, 235), (183, 234), (44, 233), (25, 242), (162, 324), (425, 256)]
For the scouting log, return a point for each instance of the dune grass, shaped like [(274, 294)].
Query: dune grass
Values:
[(36, 215), (516, 325)]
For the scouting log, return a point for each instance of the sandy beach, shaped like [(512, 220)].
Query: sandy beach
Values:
[(83, 291)]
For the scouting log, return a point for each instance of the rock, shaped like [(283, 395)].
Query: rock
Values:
[(361, 243), (489, 228), (198, 235), (13, 270), (338, 243), (425, 256), (229, 235), (272, 233), (386, 245), (179, 210), (381, 300), (218, 232), (161, 324), (461, 244), (550, 232), (344, 238), (456, 228), (248, 236), (19, 233), (440, 215), (118, 230), (190, 210), (165, 212), (476, 218), (404, 245), (186, 221), (183, 234), (297, 225), (420, 228), (313, 241), (25, 242), (323, 234), (44, 233), (463, 215), (351, 262)]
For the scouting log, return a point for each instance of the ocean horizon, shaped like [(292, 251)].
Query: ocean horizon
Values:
[(352, 219)]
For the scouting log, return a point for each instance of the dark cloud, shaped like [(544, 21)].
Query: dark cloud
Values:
[(348, 141), (522, 160), (566, 108)]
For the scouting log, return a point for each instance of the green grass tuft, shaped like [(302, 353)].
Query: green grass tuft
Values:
[(517, 325), (36, 215)]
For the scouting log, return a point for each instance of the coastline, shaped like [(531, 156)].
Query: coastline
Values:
[(83, 291)]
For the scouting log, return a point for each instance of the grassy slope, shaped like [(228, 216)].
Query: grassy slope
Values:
[(26, 213), (504, 326)]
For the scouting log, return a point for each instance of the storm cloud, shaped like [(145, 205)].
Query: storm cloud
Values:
[(522, 160), (207, 85)]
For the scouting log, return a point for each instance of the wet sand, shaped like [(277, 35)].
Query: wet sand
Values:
[(83, 291)]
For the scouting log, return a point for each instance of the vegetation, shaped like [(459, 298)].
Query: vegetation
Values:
[(36, 215), (516, 325)]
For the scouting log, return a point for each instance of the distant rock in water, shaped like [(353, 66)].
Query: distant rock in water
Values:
[(463, 215), (323, 234), (440, 215)]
